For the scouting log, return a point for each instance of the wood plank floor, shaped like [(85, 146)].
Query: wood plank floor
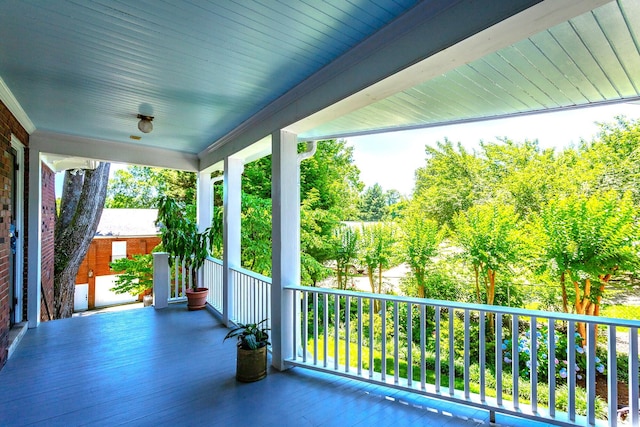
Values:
[(169, 367)]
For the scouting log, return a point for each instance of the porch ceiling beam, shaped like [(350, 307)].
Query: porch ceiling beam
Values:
[(430, 39), (111, 151)]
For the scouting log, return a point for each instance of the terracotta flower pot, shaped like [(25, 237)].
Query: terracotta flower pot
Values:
[(251, 365), (196, 300)]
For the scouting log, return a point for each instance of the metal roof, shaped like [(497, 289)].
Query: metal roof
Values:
[(210, 70)]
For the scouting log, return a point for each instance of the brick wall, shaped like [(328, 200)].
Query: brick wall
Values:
[(48, 226), (8, 126)]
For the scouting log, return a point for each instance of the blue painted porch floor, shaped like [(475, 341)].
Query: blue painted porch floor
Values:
[(169, 367)]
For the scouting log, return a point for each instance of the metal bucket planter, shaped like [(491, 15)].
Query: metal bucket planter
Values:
[(251, 365)]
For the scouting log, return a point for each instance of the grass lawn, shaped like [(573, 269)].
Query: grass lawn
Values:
[(621, 311)]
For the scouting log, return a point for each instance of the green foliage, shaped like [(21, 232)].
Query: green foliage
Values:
[(586, 238), (377, 251), (181, 237), (141, 186), (419, 240), (490, 239), (373, 204), (135, 274), (345, 250), (250, 336), (256, 234), (450, 182), (330, 186)]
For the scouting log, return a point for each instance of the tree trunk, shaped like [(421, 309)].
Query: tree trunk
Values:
[(477, 273), (376, 303), (419, 273), (565, 298), (81, 206)]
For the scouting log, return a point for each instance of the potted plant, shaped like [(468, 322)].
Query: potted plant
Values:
[(182, 240), (252, 343)]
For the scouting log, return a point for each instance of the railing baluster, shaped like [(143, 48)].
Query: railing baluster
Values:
[(467, 351), (371, 336), (396, 343), (360, 336), (409, 346), (499, 356), (612, 376), (315, 328), (336, 327), (482, 355), (305, 325), (571, 368), (296, 327), (515, 357), (591, 373), (452, 371), (533, 358), (423, 352), (633, 377), (325, 320), (551, 343), (383, 364), (347, 332)]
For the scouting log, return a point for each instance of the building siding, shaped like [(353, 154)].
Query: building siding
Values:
[(99, 256)]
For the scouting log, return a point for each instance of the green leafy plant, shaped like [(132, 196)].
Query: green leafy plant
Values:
[(180, 235), (250, 336), (135, 275)]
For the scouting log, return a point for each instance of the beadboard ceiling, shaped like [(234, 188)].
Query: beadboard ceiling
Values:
[(205, 68)]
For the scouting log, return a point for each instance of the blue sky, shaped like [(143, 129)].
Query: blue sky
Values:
[(391, 159)]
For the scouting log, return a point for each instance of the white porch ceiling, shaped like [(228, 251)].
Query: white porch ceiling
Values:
[(209, 70), (87, 68), (591, 59)]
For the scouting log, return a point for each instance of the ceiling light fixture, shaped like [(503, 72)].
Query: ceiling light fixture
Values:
[(144, 124)]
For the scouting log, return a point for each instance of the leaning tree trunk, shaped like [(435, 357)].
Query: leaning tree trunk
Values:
[(81, 206)]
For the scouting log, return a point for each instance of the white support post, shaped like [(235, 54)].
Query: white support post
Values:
[(204, 203), (34, 269), (160, 280), (285, 196), (232, 185)]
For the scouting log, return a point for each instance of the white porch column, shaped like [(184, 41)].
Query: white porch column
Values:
[(34, 269), (285, 196), (204, 200), (204, 206), (232, 188)]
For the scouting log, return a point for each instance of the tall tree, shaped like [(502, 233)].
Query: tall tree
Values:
[(141, 187), (345, 253), (489, 236), (377, 251), (84, 193), (584, 242), (329, 185), (450, 182), (373, 204), (420, 237)]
